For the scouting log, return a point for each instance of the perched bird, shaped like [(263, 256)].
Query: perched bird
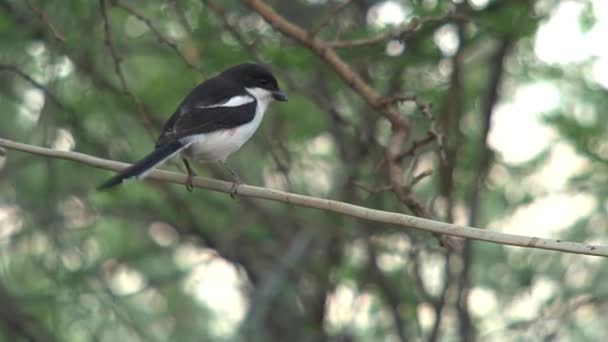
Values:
[(212, 122)]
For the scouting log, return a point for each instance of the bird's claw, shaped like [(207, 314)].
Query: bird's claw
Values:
[(233, 190), (191, 174), (189, 185)]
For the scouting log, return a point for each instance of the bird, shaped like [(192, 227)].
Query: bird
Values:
[(213, 121)]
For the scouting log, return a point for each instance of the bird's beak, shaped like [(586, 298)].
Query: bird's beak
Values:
[(279, 95)]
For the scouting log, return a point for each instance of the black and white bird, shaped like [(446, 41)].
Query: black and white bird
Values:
[(212, 122)]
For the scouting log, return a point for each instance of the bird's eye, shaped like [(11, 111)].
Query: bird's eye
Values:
[(263, 81)]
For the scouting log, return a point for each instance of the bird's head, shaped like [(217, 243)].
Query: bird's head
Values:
[(256, 78)]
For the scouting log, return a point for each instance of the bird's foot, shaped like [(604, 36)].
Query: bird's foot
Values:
[(233, 190), (191, 174), (189, 185)]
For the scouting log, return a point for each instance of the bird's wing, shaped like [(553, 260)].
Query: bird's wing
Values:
[(204, 120), (199, 120), (214, 105)]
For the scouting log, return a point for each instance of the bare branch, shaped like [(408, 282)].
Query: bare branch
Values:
[(179, 14), (271, 285), (417, 178), (15, 69), (45, 20), (161, 38), (365, 187), (396, 33), (329, 16), (240, 38), (118, 69), (433, 132), (409, 152), (391, 295), (400, 220)]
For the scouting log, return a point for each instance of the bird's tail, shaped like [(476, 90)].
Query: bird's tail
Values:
[(141, 169)]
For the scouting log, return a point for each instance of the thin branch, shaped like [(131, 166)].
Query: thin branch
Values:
[(395, 176), (328, 17), (179, 14), (376, 190), (497, 70), (161, 38), (433, 133), (400, 220), (409, 152), (391, 294), (425, 109), (389, 187), (391, 100), (440, 303), (417, 178), (396, 33), (414, 255), (15, 69), (272, 283), (118, 69), (45, 20), (240, 38)]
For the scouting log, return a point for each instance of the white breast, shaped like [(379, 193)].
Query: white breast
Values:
[(217, 146)]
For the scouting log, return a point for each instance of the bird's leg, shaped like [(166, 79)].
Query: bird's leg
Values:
[(191, 174), (235, 178)]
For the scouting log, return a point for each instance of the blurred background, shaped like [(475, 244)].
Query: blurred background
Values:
[(516, 89)]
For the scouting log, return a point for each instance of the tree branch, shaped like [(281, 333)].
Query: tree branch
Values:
[(397, 32), (331, 58), (144, 117), (328, 17), (401, 220), (161, 38), (15, 69), (44, 19)]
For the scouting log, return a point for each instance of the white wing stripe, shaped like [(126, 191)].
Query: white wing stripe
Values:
[(233, 102)]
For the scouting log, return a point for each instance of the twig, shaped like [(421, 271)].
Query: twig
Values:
[(378, 189), (440, 303), (15, 69), (45, 20), (401, 220), (161, 38), (384, 188), (328, 17), (414, 146), (414, 255), (433, 132), (273, 281), (425, 109), (405, 197), (117, 68), (219, 11), (466, 326), (396, 33), (417, 178), (391, 294), (391, 100), (179, 14)]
